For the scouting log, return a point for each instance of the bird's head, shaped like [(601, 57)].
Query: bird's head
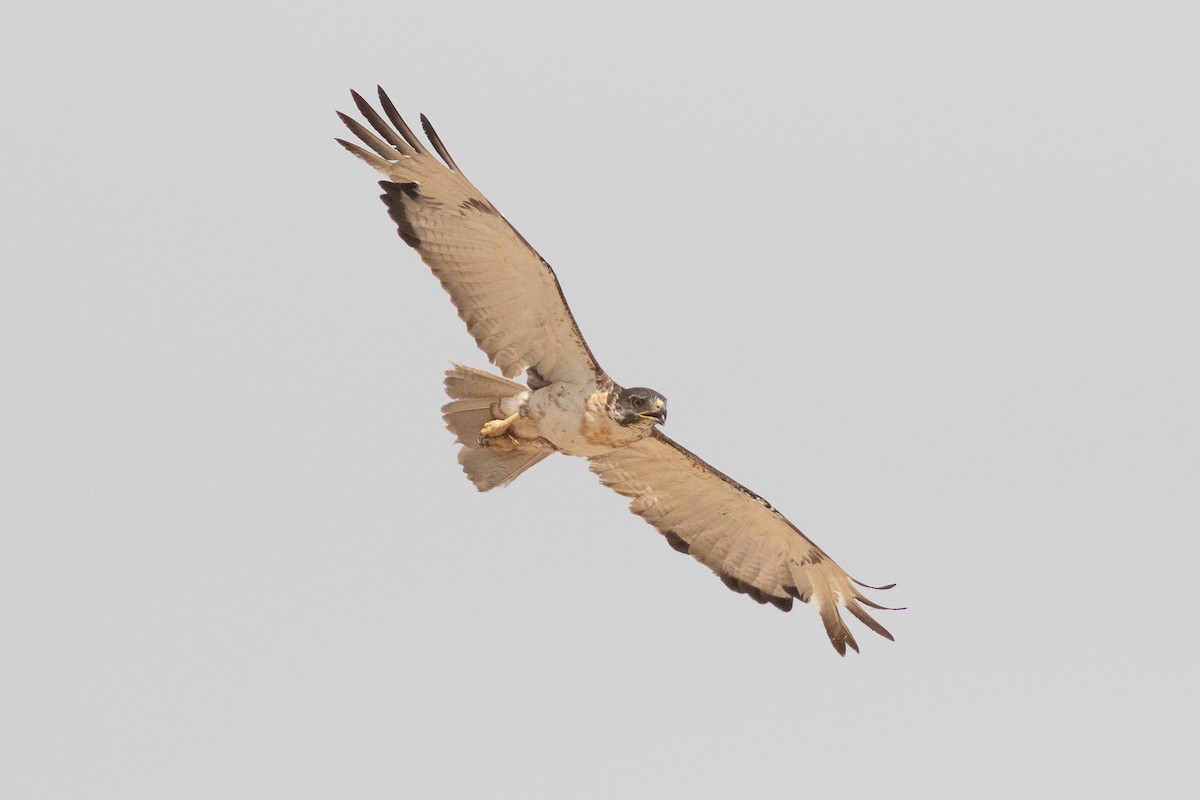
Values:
[(640, 406)]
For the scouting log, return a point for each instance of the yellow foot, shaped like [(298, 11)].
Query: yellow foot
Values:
[(497, 427)]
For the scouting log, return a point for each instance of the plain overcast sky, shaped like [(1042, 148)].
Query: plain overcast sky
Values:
[(925, 275)]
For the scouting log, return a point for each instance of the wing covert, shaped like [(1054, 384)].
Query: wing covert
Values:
[(752, 547), (507, 295)]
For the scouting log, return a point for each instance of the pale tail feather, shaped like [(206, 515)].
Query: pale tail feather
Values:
[(475, 394), (463, 383)]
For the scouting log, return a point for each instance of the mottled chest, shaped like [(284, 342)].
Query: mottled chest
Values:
[(598, 428), (576, 420)]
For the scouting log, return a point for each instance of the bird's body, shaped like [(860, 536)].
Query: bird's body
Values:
[(553, 413), (512, 304)]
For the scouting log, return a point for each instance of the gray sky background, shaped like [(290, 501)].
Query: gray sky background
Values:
[(924, 275)]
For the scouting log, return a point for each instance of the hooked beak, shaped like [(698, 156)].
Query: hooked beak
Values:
[(658, 414)]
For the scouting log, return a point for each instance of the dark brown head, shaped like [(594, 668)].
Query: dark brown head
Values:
[(640, 406)]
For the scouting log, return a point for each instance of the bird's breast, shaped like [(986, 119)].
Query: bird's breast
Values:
[(575, 420)]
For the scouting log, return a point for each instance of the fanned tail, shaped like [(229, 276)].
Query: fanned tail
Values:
[(476, 398)]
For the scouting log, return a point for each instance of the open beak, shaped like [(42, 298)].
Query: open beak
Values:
[(659, 414)]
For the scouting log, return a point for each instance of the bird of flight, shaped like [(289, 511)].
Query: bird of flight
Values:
[(512, 305)]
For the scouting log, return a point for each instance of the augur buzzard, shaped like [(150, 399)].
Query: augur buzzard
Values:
[(513, 306)]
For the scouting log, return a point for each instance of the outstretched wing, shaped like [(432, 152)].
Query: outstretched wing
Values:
[(734, 532), (504, 291)]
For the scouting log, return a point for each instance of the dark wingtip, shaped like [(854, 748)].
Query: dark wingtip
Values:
[(360, 103), (866, 601), (841, 644), (436, 141), (877, 588), (351, 146)]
